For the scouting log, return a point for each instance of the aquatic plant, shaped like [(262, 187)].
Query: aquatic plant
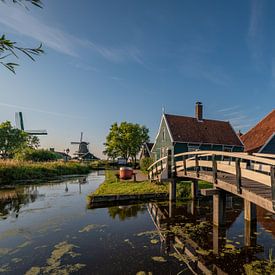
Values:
[(260, 267)]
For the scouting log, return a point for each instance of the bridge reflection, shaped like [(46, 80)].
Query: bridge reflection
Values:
[(188, 231)]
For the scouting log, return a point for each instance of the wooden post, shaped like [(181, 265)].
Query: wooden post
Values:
[(197, 166), (214, 168), (250, 211), (250, 227), (169, 163), (219, 201), (219, 234), (184, 165), (272, 176), (172, 207), (238, 176), (194, 189), (172, 190)]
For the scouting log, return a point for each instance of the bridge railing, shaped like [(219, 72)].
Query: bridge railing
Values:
[(255, 167)]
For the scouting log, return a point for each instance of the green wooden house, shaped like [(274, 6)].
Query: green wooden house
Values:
[(186, 134)]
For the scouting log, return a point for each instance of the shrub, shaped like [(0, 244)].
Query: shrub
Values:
[(38, 155), (145, 163)]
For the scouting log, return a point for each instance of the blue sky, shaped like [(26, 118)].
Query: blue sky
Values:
[(109, 61)]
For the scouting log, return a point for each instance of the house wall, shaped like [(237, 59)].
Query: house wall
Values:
[(269, 148), (162, 143)]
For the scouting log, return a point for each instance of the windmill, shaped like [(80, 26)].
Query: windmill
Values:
[(19, 122), (83, 152), (82, 147)]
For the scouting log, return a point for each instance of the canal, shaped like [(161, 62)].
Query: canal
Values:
[(47, 228)]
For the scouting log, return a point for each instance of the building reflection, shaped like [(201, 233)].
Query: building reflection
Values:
[(188, 230)]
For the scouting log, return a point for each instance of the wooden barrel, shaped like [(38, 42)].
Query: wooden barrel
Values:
[(125, 173)]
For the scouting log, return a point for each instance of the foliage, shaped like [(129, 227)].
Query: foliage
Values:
[(12, 170), (10, 48), (145, 163), (12, 140), (36, 155), (125, 140), (33, 142), (259, 267), (184, 188), (113, 187)]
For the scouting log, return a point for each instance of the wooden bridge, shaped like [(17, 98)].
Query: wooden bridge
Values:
[(249, 176)]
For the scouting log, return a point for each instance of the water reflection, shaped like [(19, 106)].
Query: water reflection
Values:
[(187, 229), (125, 212), (12, 200)]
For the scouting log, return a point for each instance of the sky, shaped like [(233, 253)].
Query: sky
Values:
[(113, 61)]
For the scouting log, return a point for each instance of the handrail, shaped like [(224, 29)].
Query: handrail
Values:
[(159, 160), (229, 154)]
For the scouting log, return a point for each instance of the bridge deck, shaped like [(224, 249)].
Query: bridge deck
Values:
[(253, 191)]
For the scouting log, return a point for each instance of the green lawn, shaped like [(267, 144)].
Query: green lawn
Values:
[(111, 186)]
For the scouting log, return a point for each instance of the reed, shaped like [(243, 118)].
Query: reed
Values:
[(13, 170)]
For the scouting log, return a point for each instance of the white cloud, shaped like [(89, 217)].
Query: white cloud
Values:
[(255, 32), (21, 21), (13, 106)]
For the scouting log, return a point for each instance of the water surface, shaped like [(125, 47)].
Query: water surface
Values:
[(47, 228)]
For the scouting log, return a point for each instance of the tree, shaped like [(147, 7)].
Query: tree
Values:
[(33, 142), (10, 48), (125, 140), (11, 139)]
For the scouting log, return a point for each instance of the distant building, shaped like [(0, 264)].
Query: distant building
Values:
[(261, 138), (89, 156), (146, 150), (185, 134), (61, 155)]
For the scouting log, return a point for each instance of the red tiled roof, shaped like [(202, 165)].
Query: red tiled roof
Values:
[(257, 136), (189, 129)]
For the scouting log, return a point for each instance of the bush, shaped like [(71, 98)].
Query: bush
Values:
[(145, 163), (38, 155)]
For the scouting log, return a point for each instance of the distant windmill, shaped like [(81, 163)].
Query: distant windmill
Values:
[(82, 147), (83, 152), (20, 125)]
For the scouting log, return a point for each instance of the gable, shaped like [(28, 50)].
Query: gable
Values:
[(258, 136), (163, 138), (269, 147)]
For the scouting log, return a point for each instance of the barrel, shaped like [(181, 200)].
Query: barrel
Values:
[(125, 173)]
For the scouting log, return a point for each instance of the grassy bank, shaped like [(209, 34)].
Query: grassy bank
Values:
[(11, 171), (113, 187)]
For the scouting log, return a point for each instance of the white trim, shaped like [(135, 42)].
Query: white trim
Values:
[(168, 129), (266, 143)]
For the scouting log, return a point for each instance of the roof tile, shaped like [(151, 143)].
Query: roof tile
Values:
[(189, 129)]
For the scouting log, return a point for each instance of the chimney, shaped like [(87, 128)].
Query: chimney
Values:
[(198, 111)]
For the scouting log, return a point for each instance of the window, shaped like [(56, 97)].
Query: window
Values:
[(163, 135), (193, 147)]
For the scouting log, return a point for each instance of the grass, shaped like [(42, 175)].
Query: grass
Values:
[(11, 170), (113, 187), (184, 188)]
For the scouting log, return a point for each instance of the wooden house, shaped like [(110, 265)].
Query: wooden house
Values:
[(185, 134), (261, 138)]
